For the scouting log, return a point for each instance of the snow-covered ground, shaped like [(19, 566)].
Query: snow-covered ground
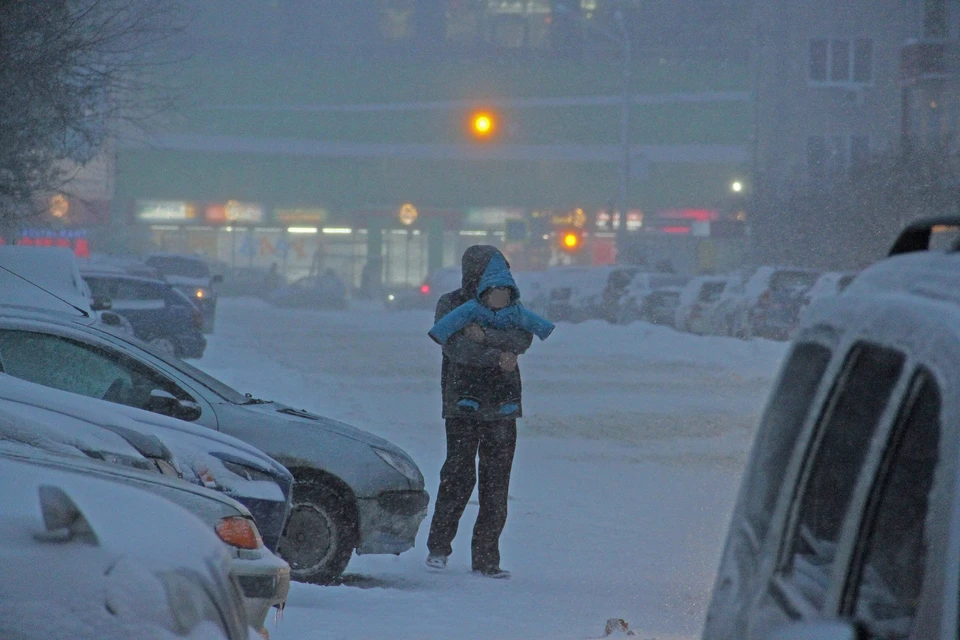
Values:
[(627, 465)]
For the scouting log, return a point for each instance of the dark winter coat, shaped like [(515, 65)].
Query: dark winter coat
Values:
[(474, 385)]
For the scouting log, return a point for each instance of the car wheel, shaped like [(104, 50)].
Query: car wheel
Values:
[(164, 345), (318, 540)]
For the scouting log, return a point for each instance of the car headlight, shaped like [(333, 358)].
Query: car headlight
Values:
[(201, 293), (239, 532), (400, 464)]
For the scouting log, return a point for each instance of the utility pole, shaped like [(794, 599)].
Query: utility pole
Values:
[(624, 191)]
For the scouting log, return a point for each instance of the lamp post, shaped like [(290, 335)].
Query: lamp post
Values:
[(623, 193)]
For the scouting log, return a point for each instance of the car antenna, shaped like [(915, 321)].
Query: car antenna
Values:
[(30, 282)]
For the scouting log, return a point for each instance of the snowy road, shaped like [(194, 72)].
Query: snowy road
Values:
[(626, 469)]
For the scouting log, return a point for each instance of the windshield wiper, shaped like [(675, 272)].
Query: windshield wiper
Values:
[(251, 400)]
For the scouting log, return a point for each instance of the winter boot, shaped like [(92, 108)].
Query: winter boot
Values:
[(436, 561)]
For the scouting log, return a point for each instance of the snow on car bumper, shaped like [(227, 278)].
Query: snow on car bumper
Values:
[(389, 522), (264, 580)]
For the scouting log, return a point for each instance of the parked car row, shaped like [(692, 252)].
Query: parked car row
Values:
[(103, 422)]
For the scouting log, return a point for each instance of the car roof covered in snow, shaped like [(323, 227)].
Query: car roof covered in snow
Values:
[(53, 269), (930, 274)]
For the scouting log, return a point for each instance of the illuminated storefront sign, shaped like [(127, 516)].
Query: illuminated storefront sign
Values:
[(73, 239), (606, 221), (165, 211), (234, 212), (408, 214), (490, 217), (300, 216)]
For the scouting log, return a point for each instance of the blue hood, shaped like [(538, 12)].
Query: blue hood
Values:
[(497, 274)]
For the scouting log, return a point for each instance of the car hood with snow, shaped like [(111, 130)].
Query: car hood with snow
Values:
[(206, 457)]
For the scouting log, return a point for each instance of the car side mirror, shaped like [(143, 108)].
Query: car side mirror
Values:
[(817, 630), (164, 403), (217, 279), (101, 303)]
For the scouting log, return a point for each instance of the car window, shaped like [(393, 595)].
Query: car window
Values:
[(102, 287), (779, 430), (841, 444), (887, 584), (69, 365)]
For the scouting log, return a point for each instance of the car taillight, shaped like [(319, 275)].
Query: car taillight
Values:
[(425, 289)]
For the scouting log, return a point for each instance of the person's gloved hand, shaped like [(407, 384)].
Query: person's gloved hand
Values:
[(508, 361), (474, 332)]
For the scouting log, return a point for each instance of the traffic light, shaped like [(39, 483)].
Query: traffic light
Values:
[(570, 240)]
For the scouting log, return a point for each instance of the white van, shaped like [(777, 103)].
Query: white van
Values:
[(847, 524)]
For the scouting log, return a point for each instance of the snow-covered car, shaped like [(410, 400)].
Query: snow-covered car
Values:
[(831, 283), (58, 441), (726, 316), (775, 313), (846, 522), (698, 299), (636, 302), (28, 273), (83, 557), (206, 458), (353, 490), (162, 316), (574, 294), (191, 275)]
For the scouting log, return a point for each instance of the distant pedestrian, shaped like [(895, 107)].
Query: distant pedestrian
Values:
[(481, 404)]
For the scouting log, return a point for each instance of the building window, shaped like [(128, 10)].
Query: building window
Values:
[(830, 158), (818, 60), (841, 61), (513, 24)]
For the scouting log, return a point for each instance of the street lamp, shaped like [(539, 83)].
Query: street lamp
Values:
[(623, 39), (737, 186)]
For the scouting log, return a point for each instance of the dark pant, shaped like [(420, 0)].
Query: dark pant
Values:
[(496, 442)]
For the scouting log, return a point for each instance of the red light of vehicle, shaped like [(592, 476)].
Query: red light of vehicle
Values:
[(425, 289), (680, 230)]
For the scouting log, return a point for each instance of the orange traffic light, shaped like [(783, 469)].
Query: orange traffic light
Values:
[(483, 124), (570, 241)]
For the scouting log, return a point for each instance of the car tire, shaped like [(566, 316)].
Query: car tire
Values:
[(164, 345), (319, 537)]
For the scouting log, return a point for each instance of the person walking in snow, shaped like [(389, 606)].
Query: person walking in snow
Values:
[(481, 403)]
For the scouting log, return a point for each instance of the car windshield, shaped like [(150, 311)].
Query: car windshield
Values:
[(179, 267)]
